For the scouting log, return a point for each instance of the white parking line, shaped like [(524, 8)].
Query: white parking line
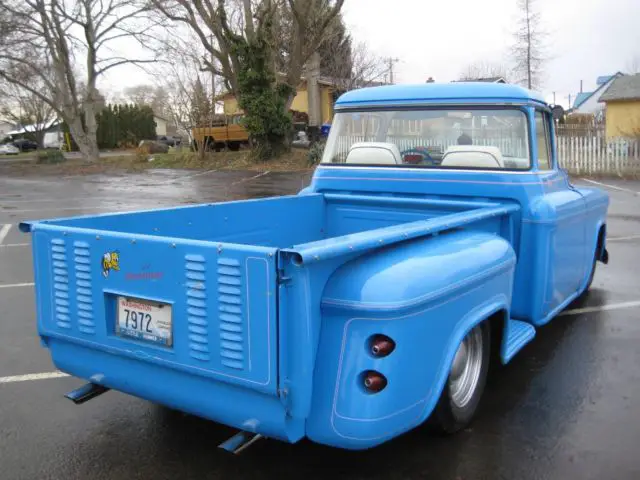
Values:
[(252, 178), (616, 239), (601, 308), (184, 177), (4, 231), (610, 186), (16, 285), (32, 376), (15, 245)]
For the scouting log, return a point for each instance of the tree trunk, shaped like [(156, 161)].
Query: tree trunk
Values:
[(202, 149), (39, 137), (88, 144)]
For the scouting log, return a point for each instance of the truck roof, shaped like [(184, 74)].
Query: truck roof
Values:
[(444, 93)]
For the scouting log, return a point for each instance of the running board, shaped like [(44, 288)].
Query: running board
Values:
[(240, 441), (517, 335), (86, 393)]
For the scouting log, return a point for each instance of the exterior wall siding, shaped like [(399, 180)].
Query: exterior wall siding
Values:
[(623, 118), (300, 103)]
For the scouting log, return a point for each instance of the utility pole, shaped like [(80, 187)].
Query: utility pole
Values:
[(391, 61), (213, 83), (569, 100), (554, 98)]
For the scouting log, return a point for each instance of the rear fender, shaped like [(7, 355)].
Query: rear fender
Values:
[(426, 295)]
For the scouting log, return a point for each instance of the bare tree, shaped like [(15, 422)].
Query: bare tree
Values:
[(633, 65), (24, 108), (140, 94), (363, 69), (189, 91), (151, 95), (484, 69), (279, 35), (77, 41), (528, 49)]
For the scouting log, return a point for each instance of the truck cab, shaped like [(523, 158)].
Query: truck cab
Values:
[(477, 140), (437, 230)]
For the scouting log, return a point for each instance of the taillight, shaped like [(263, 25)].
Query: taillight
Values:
[(381, 345), (374, 382)]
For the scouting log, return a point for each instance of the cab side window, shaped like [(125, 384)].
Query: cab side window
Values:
[(543, 141)]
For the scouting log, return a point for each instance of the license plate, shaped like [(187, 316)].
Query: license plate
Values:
[(144, 320)]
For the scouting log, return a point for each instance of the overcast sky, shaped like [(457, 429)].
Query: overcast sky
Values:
[(438, 38)]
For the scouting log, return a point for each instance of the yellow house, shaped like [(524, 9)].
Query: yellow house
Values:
[(622, 100), (300, 101)]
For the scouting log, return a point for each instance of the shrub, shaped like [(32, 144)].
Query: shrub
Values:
[(142, 153), (315, 153), (50, 156)]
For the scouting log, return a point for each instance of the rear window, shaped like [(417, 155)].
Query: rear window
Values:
[(443, 138)]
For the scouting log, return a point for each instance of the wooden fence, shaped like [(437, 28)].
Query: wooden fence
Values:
[(596, 155)]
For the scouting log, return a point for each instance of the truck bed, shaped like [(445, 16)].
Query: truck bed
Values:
[(283, 222), (215, 271)]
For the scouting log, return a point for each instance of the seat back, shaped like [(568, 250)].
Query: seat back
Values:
[(473, 156), (374, 153)]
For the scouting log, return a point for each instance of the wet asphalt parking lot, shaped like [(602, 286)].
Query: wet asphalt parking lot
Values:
[(568, 406)]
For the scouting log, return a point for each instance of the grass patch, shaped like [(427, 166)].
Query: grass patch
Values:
[(294, 161), (18, 156), (50, 156)]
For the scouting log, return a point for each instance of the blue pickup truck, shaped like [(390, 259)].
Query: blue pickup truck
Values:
[(437, 233)]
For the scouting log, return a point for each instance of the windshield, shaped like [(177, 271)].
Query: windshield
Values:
[(443, 138)]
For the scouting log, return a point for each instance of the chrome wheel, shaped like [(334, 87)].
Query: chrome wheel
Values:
[(466, 368)]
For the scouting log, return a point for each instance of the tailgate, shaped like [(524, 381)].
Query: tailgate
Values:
[(201, 307)]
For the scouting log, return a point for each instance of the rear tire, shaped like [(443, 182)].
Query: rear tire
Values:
[(593, 271), (466, 381)]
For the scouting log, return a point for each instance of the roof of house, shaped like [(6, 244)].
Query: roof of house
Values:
[(626, 87), (604, 79), (581, 98), (36, 127), (602, 82), (439, 92)]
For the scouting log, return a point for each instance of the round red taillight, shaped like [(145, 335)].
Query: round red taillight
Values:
[(374, 382), (381, 345)]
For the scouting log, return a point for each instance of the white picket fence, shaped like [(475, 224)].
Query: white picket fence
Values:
[(591, 154), (596, 155)]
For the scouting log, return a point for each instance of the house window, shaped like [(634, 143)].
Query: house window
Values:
[(543, 141)]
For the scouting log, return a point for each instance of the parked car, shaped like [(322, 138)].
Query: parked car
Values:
[(152, 146), (169, 140), (9, 149), (25, 145), (354, 311)]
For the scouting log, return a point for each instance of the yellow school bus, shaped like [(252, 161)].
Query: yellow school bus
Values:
[(225, 130)]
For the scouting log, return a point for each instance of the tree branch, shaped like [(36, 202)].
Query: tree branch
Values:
[(123, 62), (34, 91)]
